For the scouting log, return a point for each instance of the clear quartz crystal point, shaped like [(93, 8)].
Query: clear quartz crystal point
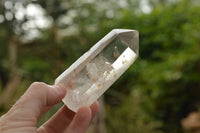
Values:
[(95, 71)]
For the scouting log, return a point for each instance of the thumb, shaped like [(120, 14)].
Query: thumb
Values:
[(44, 95), (37, 98)]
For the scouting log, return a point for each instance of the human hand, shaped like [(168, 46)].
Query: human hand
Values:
[(37, 100)]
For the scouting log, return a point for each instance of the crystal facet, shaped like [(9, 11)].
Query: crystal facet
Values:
[(94, 72)]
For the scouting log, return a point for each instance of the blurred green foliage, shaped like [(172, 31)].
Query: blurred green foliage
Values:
[(160, 89)]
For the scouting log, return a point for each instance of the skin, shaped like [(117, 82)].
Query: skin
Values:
[(37, 100)]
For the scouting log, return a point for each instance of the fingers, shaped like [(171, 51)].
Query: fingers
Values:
[(62, 119), (94, 108), (83, 118), (59, 122), (81, 121), (36, 99)]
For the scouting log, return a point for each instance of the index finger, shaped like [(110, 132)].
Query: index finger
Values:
[(59, 121), (62, 119)]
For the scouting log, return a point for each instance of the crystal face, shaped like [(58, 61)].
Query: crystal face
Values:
[(94, 72)]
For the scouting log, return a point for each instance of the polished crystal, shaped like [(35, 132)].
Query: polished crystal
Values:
[(94, 72)]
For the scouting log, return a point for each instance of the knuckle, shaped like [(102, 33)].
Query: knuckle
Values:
[(38, 85)]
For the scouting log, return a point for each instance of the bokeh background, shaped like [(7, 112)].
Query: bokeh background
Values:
[(160, 93)]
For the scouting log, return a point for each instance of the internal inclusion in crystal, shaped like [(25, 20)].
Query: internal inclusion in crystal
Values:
[(85, 86), (99, 66)]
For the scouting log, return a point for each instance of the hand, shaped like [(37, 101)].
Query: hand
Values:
[(37, 100)]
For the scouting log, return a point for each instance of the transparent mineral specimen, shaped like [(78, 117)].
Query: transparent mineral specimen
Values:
[(94, 72)]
